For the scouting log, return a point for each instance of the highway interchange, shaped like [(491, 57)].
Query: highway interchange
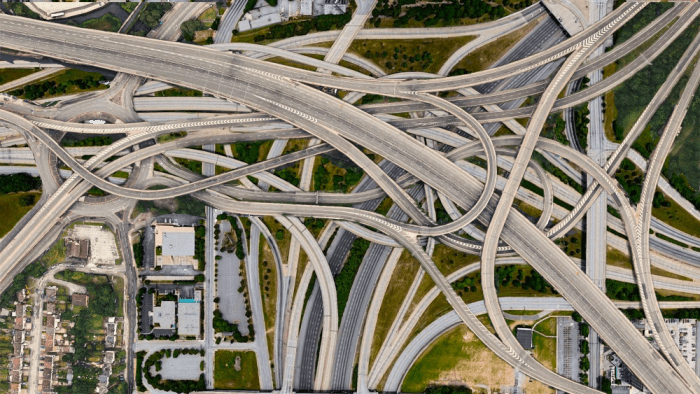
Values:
[(423, 161)]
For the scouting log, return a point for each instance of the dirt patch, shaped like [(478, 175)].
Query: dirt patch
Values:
[(168, 203)]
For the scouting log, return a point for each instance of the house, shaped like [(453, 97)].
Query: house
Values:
[(79, 299), (19, 324), (21, 295), (50, 322), (16, 363), (50, 293), (49, 343)]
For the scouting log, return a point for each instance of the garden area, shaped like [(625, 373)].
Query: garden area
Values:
[(90, 141)]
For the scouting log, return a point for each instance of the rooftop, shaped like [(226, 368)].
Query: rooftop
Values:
[(79, 299), (525, 338), (164, 315), (175, 241), (188, 319)]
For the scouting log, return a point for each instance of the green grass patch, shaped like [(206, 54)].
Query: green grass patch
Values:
[(545, 350), (129, 7), (460, 353), (192, 165), (408, 13), (228, 377), (635, 94), (209, 16), (251, 151), (484, 56), (335, 176), (268, 284), (20, 9), (573, 244), (65, 82), (163, 138), (409, 55), (671, 240), (631, 179), (346, 277), (617, 290), (11, 74), (548, 326), (676, 216), (404, 274), (684, 160), (106, 22), (178, 92), (13, 207)]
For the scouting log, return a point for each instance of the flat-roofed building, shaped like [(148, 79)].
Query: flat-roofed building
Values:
[(164, 315), (524, 336), (174, 245), (188, 315)]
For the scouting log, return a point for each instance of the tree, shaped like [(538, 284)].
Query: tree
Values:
[(584, 329), (584, 364), (447, 390), (189, 28)]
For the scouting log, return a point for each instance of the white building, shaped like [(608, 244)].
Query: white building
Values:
[(335, 7), (164, 315)]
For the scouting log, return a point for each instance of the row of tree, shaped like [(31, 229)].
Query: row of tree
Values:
[(431, 14), (99, 140), (21, 182), (39, 90)]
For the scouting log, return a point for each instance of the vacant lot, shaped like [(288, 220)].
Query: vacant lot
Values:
[(230, 375), (458, 355), (409, 55)]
